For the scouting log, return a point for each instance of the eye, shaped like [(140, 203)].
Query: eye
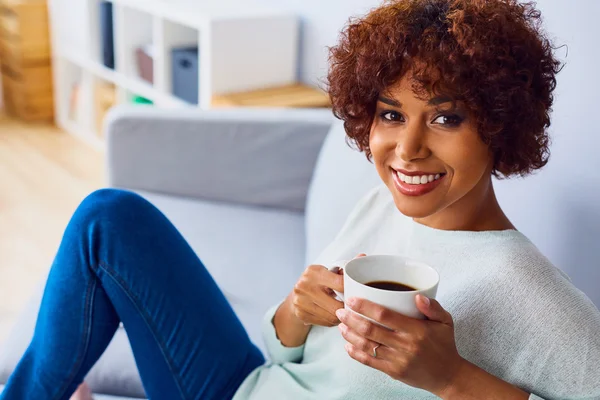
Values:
[(448, 120), (390, 116)]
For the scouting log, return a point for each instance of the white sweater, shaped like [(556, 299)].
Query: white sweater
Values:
[(516, 315)]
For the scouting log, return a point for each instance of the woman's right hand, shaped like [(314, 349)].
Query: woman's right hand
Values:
[(312, 300), (311, 303)]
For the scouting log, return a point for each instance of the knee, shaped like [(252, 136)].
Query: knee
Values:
[(112, 206)]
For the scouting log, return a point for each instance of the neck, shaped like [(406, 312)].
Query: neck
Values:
[(479, 210)]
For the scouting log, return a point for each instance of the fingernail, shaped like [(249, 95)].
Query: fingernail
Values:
[(351, 301), (343, 328), (341, 313), (348, 347), (425, 300)]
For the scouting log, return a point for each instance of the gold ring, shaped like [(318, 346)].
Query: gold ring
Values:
[(375, 351)]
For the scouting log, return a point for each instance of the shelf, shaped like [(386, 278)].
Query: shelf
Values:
[(240, 46), (199, 13), (135, 30), (134, 85), (71, 96), (171, 35), (105, 96)]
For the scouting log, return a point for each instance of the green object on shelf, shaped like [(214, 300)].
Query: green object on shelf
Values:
[(140, 100)]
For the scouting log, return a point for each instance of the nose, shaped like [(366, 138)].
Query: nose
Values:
[(411, 143)]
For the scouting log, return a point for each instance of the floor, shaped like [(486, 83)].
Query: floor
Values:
[(44, 174)]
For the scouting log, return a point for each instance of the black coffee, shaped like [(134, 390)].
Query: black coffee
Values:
[(390, 285)]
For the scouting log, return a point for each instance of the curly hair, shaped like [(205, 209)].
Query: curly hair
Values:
[(491, 54)]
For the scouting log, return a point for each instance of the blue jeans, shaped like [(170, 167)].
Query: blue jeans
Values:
[(122, 260)]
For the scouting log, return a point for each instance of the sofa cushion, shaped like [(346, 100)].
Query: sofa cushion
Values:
[(115, 372), (96, 397), (254, 254), (342, 177)]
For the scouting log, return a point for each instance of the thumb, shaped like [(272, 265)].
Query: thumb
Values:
[(433, 310)]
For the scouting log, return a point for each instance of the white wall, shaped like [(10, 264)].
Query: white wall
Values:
[(559, 208), (322, 22)]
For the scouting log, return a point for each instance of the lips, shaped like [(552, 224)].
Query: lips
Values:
[(416, 183)]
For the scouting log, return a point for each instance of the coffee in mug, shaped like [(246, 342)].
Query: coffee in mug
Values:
[(389, 285)]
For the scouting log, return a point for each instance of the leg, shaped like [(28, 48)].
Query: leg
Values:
[(122, 260)]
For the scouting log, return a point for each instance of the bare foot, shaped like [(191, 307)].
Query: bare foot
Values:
[(83, 393)]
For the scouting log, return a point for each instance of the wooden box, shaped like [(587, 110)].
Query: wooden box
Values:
[(25, 59), (28, 96)]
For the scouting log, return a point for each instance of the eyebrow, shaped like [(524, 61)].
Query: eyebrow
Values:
[(436, 101), (390, 102)]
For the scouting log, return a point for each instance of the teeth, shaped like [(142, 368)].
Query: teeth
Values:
[(417, 180)]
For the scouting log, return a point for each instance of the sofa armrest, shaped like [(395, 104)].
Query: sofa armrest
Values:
[(261, 157)]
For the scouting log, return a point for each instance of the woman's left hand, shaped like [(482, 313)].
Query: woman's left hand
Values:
[(420, 353)]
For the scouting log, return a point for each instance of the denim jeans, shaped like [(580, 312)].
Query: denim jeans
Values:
[(122, 260)]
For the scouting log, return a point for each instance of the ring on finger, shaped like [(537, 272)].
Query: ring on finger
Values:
[(375, 350)]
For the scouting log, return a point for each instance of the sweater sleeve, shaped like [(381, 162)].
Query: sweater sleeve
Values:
[(277, 352), (563, 351)]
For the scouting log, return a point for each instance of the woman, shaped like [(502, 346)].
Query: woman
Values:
[(441, 95)]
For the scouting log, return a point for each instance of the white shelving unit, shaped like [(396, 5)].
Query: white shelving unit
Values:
[(241, 47)]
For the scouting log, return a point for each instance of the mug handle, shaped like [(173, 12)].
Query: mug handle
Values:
[(337, 265)]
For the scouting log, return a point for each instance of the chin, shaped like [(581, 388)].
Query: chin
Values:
[(414, 208)]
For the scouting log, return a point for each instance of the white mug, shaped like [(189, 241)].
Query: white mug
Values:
[(362, 270)]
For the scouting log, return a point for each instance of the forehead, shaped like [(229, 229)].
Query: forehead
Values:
[(409, 88)]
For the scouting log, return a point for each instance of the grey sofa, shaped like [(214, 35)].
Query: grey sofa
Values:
[(258, 194)]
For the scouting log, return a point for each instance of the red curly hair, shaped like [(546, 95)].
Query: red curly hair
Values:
[(491, 54)]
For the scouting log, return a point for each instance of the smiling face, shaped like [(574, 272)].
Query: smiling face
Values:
[(429, 154)]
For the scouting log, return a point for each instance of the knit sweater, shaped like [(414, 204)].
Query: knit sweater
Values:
[(516, 316)]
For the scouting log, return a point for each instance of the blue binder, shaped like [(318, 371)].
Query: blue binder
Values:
[(107, 34)]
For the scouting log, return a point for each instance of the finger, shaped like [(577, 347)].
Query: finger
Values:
[(328, 303), (340, 270), (308, 305), (322, 314), (433, 310), (366, 345), (323, 298), (337, 270), (331, 280), (383, 315), (367, 329), (368, 359), (311, 319)]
